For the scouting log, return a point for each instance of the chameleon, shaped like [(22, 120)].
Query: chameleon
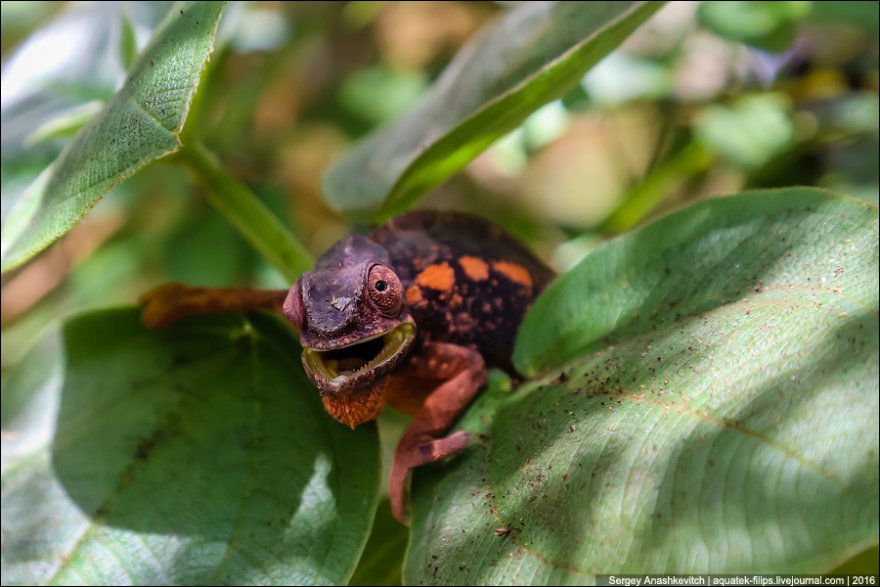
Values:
[(411, 315)]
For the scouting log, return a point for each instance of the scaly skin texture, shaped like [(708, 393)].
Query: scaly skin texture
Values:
[(411, 316)]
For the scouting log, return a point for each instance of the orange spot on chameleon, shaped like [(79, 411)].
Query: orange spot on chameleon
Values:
[(514, 272), (414, 295), (474, 267), (439, 276)]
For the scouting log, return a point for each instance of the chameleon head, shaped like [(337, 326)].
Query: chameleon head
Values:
[(353, 325)]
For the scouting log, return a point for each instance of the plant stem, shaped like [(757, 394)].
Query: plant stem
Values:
[(249, 215), (655, 187)]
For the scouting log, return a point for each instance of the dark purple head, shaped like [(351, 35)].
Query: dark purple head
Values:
[(353, 325)]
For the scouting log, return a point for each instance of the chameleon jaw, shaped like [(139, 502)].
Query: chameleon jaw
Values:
[(360, 364)]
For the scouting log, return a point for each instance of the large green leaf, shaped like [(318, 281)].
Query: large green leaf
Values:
[(533, 54), (139, 124), (198, 455), (708, 403)]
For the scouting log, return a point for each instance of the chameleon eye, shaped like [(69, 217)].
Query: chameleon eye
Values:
[(385, 290)]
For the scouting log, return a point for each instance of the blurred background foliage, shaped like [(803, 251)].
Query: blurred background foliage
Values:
[(704, 100)]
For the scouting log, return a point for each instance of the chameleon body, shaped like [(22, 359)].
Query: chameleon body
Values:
[(410, 315)]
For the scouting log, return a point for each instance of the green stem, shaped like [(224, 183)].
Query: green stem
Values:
[(656, 186), (241, 207)]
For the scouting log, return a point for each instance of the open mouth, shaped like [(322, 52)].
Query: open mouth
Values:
[(344, 366)]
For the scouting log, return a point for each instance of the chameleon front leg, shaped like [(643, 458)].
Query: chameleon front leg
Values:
[(169, 303), (463, 371)]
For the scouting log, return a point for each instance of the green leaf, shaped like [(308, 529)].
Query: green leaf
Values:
[(382, 560), (750, 132), (863, 15), (709, 403), (65, 124), (380, 93), (139, 124), (197, 455), (127, 43), (533, 54), (771, 26)]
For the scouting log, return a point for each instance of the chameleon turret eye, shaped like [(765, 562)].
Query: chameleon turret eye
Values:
[(386, 293)]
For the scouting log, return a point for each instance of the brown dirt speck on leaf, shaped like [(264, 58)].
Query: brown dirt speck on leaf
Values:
[(145, 447), (561, 378)]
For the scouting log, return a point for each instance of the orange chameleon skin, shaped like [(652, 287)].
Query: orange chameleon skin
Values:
[(411, 316)]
